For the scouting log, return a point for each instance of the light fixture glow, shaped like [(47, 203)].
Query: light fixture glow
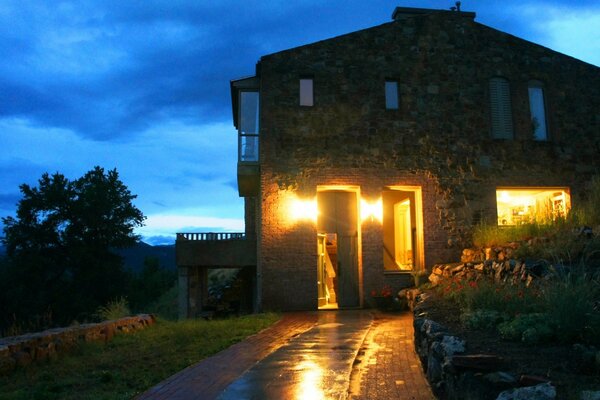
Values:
[(304, 210), (371, 210)]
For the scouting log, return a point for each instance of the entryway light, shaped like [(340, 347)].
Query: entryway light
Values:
[(304, 210), (371, 211)]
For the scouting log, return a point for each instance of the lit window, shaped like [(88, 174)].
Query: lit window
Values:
[(248, 129), (306, 92), (538, 112), (501, 110), (391, 95), (528, 205)]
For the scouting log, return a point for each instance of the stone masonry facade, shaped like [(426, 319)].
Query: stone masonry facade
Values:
[(438, 139)]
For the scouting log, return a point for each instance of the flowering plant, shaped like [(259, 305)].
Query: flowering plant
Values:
[(385, 292)]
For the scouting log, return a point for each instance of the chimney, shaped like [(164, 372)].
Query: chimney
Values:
[(401, 13)]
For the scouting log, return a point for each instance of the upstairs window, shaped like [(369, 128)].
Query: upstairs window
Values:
[(501, 109), (538, 111), (248, 127), (306, 92), (391, 95)]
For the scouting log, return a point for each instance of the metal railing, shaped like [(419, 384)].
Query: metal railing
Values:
[(206, 236)]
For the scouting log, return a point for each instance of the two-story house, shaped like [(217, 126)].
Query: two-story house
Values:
[(370, 156)]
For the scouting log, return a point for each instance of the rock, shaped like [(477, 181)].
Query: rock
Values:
[(434, 366), (452, 345), (435, 279), (430, 328), (7, 364), (589, 395), (501, 378), (480, 362), (532, 380), (22, 358), (544, 391)]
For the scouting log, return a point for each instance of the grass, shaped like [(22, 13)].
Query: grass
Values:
[(131, 363)]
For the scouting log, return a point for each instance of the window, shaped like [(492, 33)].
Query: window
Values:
[(248, 128), (501, 110), (533, 204), (306, 92), (391, 95), (538, 111)]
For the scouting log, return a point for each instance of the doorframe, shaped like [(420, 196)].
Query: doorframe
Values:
[(419, 262), (356, 190)]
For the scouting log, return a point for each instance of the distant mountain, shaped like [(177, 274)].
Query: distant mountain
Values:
[(133, 257)]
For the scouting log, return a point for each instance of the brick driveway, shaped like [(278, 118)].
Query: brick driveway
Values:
[(264, 365)]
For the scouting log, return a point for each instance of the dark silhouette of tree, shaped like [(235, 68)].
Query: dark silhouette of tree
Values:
[(60, 246)]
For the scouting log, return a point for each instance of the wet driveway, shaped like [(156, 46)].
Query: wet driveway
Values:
[(314, 365)]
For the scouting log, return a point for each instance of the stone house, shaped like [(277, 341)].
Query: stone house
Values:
[(368, 157)]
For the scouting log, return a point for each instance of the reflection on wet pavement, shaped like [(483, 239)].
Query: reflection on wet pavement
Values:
[(313, 365)]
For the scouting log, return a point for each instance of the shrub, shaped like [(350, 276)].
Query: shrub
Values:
[(482, 319), (530, 328), (570, 301), (115, 309)]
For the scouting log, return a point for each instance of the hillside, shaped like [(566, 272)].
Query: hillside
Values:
[(133, 257)]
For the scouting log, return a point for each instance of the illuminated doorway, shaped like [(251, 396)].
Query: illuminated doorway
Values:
[(402, 229), (337, 228)]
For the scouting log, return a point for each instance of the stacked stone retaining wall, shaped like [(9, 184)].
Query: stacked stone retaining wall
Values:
[(20, 351)]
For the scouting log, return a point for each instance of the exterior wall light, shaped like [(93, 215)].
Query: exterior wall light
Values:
[(304, 210), (371, 211)]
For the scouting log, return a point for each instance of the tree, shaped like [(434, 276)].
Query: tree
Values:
[(60, 244)]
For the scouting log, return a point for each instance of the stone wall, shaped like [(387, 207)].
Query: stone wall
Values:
[(20, 351), (439, 138)]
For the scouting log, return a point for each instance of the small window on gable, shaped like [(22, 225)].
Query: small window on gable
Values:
[(306, 92), (501, 109), (391, 95), (538, 110)]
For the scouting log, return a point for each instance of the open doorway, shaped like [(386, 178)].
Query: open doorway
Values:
[(402, 229), (327, 271), (338, 230)]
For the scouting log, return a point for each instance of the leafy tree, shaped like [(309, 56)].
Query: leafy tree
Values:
[(60, 245)]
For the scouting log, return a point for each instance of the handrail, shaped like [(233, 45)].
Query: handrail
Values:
[(206, 236)]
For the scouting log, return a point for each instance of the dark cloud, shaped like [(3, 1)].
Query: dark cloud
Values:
[(162, 61)]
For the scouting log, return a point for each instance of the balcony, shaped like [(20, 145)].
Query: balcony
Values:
[(215, 250)]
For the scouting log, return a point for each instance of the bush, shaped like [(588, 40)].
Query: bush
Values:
[(482, 319), (115, 309), (570, 302), (529, 328)]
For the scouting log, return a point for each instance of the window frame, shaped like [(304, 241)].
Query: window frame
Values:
[(306, 99), (532, 85), (254, 136), (390, 98), (500, 105)]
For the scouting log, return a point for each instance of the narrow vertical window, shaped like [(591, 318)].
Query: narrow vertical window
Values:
[(501, 109), (248, 128), (538, 111), (306, 92), (391, 95)]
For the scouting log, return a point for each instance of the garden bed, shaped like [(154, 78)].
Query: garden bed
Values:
[(561, 365)]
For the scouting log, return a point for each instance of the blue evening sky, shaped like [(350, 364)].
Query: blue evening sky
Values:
[(143, 86)]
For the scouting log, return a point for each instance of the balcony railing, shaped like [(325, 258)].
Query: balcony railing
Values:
[(211, 236)]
